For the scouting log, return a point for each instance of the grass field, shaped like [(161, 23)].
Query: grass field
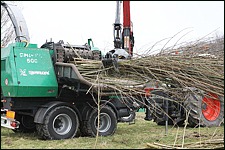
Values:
[(133, 136)]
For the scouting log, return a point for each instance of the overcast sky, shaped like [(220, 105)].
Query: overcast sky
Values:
[(76, 21)]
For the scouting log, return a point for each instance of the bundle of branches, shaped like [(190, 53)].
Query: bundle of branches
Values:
[(111, 80), (177, 72), (203, 73), (210, 46)]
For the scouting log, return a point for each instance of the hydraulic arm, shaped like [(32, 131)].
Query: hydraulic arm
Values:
[(117, 27), (123, 36), (127, 35)]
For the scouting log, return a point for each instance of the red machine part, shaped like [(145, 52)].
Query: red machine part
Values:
[(127, 35), (126, 14), (211, 106)]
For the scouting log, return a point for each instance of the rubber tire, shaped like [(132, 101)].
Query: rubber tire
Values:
[(27, 124), (83, 126), (90, 127), (84, 129), (129, 118), (196, 118), (46, 130)]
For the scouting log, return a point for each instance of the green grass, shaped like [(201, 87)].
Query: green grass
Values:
[(126, 137)]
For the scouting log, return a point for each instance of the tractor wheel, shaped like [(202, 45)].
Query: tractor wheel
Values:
[(129, 118), (107, 124), (205, 109), (60, 123), (27, 124)]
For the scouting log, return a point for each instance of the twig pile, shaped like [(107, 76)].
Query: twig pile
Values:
[(206, 74), (179, 72), (213, 143), (176, 71)]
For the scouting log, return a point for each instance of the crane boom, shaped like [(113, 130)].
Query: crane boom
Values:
[(123, 37), (127, 35), (118, 11), (117, 27), (126, 14)]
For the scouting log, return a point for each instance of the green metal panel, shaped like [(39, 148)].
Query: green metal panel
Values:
[(29, 71), (9, 81)]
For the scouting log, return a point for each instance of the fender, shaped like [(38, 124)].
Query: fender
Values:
[(44, 109), (85, 112), (111, 105), (87, 109)]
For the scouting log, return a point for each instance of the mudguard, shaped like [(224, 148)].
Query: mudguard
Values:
[(44, 109)]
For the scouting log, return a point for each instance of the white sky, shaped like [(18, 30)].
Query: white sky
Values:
[(76, 21)]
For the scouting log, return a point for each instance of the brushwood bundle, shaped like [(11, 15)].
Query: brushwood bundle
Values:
[(199, 64), (179, 71)]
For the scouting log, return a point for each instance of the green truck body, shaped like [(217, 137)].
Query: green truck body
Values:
[(27, 72)]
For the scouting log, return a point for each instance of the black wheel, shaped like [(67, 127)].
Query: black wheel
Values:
[(107, 125), (27, 124), (129, 118), (205, 109), (84, 129), (60, 123)]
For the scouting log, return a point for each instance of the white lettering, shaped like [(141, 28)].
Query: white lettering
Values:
[(30, 55), (31, 60), (39, 72), (21, 54)]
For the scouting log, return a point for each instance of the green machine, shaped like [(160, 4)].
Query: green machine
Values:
[(91, 44), (95, 50), (27, 71)]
